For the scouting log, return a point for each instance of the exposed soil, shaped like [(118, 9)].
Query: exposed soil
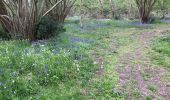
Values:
[(138, 78)]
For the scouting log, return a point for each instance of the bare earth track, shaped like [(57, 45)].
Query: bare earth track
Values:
[(137, 75)]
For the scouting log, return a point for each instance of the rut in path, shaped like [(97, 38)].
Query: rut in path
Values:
[(138, 74)]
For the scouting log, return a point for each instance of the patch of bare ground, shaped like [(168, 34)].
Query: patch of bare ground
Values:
[(138, 78)]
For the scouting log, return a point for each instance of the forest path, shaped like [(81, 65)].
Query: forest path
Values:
[(138, 77)]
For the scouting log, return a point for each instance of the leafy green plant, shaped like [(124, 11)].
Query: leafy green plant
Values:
[(26, 71), (149, 98), (161, 51), (48, 27), (3, 34), (152, 88)]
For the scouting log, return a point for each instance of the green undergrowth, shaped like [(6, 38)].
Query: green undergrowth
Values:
[(28, 70), (161, 51), (111, 43), (160, 54), (63, 67)]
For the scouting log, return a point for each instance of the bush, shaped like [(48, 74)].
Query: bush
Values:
[(3, 34), (154, 20), (47, 28)]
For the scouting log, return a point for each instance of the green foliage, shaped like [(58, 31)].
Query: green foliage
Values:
[(92, 8), (161, 54), (149, 98), (48, 27), (162, 8), (152, 88), (43, 70), (25, 70), (3, 34), (154, 20)]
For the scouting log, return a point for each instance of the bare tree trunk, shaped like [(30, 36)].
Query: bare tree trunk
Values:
[(22, 15), (163, 7), (101, 2), (113, 8), (144, 9), (81, 14), (129, 8), (3, 21), (60, 12)]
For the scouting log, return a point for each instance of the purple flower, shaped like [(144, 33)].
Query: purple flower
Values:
[(138, 24), (77, 39)]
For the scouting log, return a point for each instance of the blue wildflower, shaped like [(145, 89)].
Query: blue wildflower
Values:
[(39, 97), (166, 20), (138, 24), (13, 74), (1, 83), (45, 68), (57, 62), (26, 51), (77, 39)]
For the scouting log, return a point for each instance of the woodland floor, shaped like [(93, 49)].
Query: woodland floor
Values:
[(138, 77), (104, 60)]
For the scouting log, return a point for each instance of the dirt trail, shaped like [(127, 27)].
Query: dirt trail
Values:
[(138, 78)]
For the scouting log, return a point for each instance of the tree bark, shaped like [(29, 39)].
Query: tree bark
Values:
[(129, 8), (81, 14), (3, 21), (144, 9), (113, 8), (101, 8), (60, 12)]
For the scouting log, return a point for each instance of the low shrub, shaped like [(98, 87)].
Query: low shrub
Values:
[(3, 34), (47, 28), (154, 20)]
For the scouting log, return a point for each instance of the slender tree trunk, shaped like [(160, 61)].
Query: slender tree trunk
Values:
[(144, 9), (113, 8), (61, 10), (163, 7), (129, 8), (3, 21), (101, 8), (81, 14)]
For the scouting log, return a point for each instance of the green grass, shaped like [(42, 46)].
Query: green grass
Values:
[(63, 67), (26, 70), (160, 55), (149, 98), (152, 88), (161, 51)]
